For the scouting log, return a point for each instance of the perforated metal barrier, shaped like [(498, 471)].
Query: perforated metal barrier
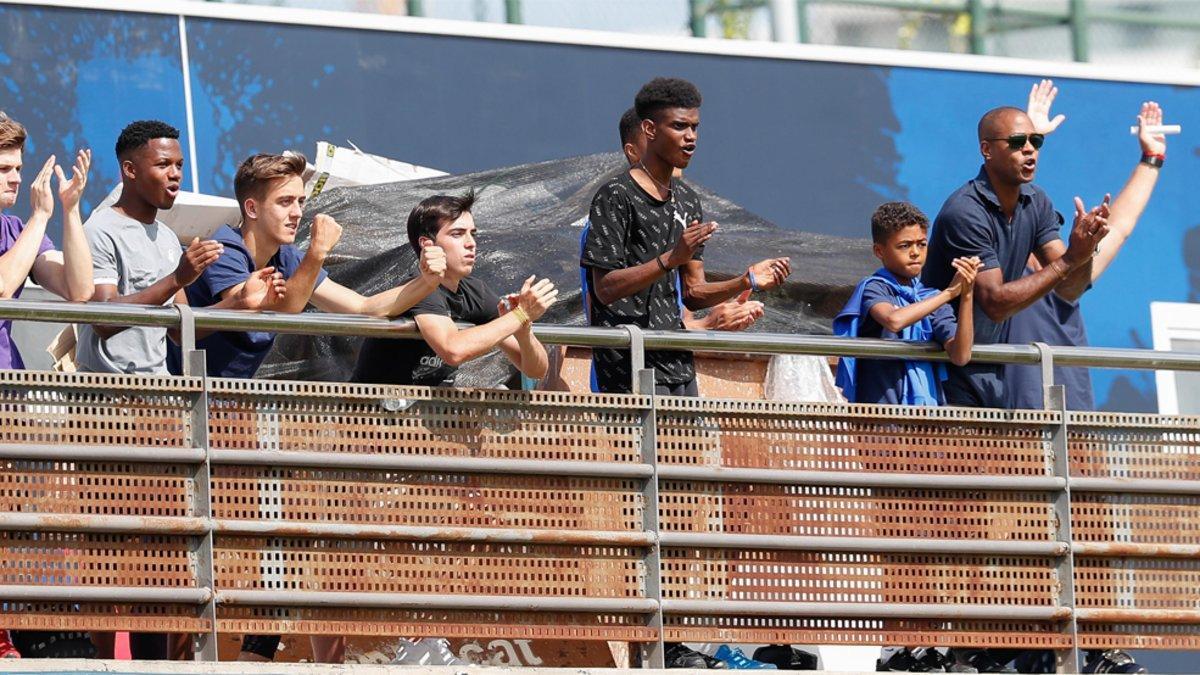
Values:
[(235, 506)]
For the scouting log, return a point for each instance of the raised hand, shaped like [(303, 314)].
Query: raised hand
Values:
[(432, 262), (1089, 228), (1040, 97), (1151, 115), (325, 234), (965, 270), (536, 298), (41, 200), (71, 191), (771, 273), (264, 288), (694, 236), (198, 256)]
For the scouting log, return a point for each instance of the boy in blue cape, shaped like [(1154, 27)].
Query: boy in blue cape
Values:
[(892, 304)]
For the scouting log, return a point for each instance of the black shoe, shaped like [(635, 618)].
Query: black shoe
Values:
[(786, 657), (983, 661), (52, 644), (1111, 661), (680, 656), (919, 660)]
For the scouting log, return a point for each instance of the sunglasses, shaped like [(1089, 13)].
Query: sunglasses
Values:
[(1017, 141)]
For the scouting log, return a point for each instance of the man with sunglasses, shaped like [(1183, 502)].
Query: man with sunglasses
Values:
[(1001, 217)]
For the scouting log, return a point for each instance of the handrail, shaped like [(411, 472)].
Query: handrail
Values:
[(319, 323)]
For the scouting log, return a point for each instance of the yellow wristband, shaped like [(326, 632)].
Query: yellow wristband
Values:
[(519, 312)]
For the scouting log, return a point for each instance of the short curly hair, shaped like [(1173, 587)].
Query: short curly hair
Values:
[(665, 92), (893, 217), (139, 133)]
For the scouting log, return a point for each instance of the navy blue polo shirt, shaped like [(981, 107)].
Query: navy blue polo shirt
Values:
[(232, 353), (1056, 322), (972, 224)]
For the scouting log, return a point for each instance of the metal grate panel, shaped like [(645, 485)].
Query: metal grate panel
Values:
[(105, 560), (283, 564), (426, 499), (854, 512), (797, 576)]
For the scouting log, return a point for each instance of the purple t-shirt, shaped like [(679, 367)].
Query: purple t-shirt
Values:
[(10, 229)]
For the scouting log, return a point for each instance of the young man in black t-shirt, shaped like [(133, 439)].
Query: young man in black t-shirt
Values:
[(645, 225), (446, 221)]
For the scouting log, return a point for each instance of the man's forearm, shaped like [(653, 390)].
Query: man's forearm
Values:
[(156, 295), (1123, 215), (709, 293), (301, 284), (18, 260), (1076, 283), (471, 343), (533, 355), (1018, 294), (396, 301), (77, 258), (614, 285)]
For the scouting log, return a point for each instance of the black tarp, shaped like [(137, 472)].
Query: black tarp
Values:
[(529, 219)]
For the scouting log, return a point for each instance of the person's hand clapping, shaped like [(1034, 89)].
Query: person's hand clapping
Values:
[(771, 273), (737, 314), (71, 191), (536, 297), (965, 271), (1089, 228), (41, 198), (264, 288), (197, 258), (694, 236)]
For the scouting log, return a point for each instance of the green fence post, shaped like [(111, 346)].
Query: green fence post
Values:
[(802, 20), (1079, 30), (978, 26), (699, 17), (512, 11), (416, 7)]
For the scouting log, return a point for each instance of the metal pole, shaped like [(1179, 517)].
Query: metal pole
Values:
[(637, 358), (1077, 19), (653, 653), (802, 28), (1056, 399), (416, 7), (698, 12), (194, 364), (512, 11), (978, 27), (784, 24)]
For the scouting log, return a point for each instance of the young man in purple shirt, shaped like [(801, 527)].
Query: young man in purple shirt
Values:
[(25, 250)]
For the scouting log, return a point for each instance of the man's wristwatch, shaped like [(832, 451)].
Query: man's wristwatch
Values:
[(1155, 161)]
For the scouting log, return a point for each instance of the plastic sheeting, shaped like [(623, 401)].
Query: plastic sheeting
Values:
[(529, 219)]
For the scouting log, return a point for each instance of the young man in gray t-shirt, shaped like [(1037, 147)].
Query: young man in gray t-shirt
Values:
[(137, 260)]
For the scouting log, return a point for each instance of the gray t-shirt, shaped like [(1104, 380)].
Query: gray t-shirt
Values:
[(131, 256)]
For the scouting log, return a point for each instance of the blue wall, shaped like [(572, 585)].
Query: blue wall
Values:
[(815, 146)]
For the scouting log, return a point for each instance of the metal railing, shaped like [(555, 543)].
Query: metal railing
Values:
[(202, 457)]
